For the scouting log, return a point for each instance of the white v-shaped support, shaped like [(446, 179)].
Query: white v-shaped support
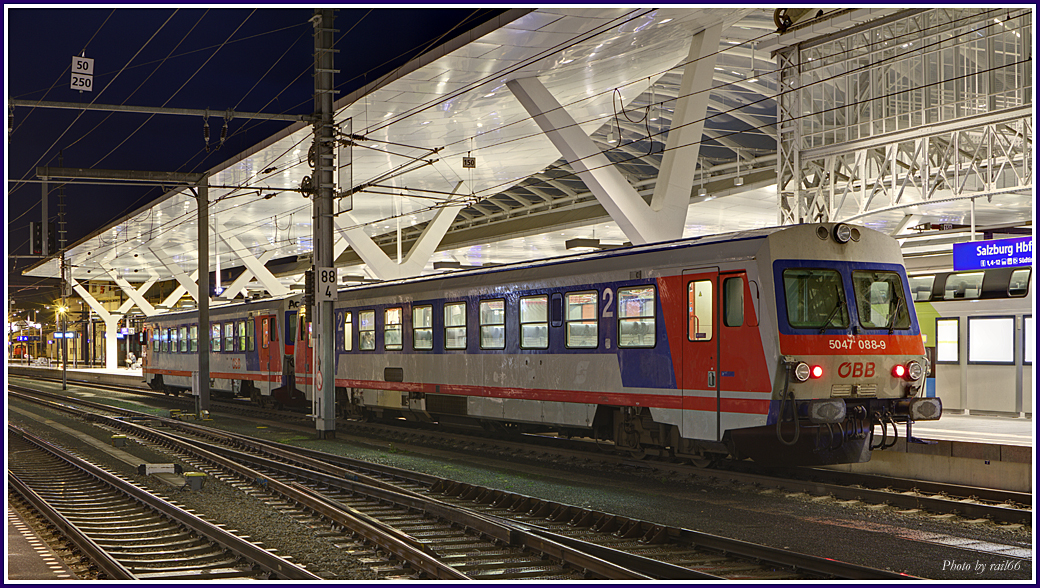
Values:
[(665, 217), (111, 324), (254, 265), (239, 285), (675, 178), (135, 295), (187, 284), (179, 291), (385, 268)]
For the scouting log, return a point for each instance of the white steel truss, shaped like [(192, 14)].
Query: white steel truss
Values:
[(933, 106)]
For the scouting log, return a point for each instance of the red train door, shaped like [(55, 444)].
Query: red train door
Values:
[(269, 352), (744, 387), (701, 346)]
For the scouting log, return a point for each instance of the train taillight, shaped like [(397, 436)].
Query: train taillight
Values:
[(816, 372), (899, 370)]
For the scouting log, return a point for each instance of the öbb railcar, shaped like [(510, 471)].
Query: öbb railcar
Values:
[(784, 345)]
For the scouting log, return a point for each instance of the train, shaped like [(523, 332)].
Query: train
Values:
[(979, 338), (790, 345)]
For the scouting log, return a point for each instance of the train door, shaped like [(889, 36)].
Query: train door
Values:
[(743, 377), (700, 365), (269, 353)]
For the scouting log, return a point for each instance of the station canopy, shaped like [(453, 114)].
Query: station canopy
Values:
[(406, 141)]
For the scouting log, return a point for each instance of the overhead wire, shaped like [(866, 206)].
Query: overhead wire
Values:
[(64, 72), (94, 100), (131, 95), (716, 87), (778, 94), (186, 82)]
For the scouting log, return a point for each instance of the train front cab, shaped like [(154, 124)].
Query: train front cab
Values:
[(851, 356)]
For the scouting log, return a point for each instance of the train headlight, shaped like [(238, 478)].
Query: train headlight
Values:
[(914, 370), (842, 233), (801, 371), (826, 411)]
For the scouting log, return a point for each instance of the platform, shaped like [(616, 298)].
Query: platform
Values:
[(978, 429), (29, 557)]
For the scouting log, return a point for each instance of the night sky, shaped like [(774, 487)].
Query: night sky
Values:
[(250, 61)]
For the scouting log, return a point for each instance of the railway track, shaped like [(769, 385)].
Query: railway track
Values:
[(970, 502), (126, 532), (480, 533)]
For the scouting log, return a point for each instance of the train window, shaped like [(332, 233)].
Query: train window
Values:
[(265, 332), (422, 327), (1019, 284), (921, 287), (240, 326), (250, 334), (493, 324), (815, 299), (991, 340), (193, 338), (392, 329), (166, 340), (348, 331), (229, 336), (184, 339), (947, 340), (455, 325), (534, 322), (880, 300), (367, 330), (701, 310), (582, 319), (963, 285), (636, 309), (214, 337), (733, 302), (290, 328), (156, 338)]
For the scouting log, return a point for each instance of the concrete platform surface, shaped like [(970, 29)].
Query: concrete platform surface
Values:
[(978, 429), (29, 557)]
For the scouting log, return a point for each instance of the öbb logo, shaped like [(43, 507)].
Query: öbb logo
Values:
[(856, 370)]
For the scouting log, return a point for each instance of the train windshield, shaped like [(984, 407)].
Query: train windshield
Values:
[(815, 299), (880, 300)]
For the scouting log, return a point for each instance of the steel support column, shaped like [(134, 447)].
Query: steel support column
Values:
[(202, 197), (324, 399)]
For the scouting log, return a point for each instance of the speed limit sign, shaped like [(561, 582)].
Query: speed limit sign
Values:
[(82, 73)]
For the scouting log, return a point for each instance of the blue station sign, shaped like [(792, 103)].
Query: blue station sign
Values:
[(980, 255)]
